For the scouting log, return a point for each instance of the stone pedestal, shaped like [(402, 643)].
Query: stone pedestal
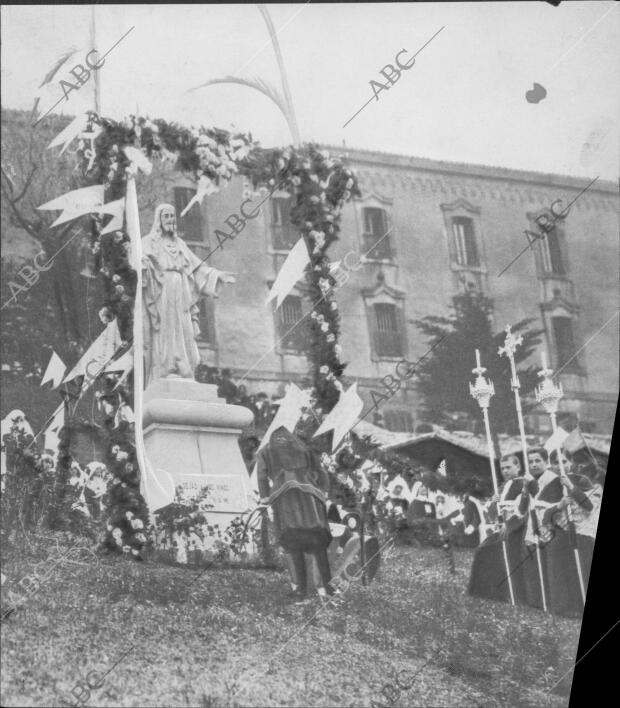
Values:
[(192, 434)]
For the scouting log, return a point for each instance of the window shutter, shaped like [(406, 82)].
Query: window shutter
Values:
[(388, 335), (465, 246), (555, 253), (376, 232), (471, 248), (290, 313)]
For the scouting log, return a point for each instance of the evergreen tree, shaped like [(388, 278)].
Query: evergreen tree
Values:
[(445, 373)]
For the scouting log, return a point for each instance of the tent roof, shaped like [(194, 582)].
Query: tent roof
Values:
[(476, 444)]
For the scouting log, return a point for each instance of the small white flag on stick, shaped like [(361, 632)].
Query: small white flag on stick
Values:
[(288, 412), (117, 209), (343, 415), (77, 128), (205, 187), (55, 371), (292, 270), (97, 355), (556, 440), (78, 202)]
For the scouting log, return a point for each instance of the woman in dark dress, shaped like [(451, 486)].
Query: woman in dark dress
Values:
[(291, 479)]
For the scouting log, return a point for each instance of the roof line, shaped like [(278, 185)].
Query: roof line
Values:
[(395, 160)]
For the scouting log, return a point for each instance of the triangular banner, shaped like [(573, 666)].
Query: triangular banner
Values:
[(97, 355), (77, 128), (205, 187), (343, 415), (288, 412), (55, 371), (76, 203), (117, 209), (292, 270)]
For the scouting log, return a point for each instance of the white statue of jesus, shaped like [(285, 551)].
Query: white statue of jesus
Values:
[(173, 281)]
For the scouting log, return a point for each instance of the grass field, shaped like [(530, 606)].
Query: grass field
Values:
[(229, 638)]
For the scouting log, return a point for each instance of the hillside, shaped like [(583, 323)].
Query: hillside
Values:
[(168, 636)]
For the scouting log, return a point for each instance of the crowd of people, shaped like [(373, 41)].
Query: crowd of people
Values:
[(540, 552), (261, 406), (533, 539)]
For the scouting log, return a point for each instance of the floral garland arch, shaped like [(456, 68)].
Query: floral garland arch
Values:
[(319, 186)]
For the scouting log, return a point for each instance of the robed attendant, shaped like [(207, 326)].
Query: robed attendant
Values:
[(291, 479), (564, 591), (490, 570)]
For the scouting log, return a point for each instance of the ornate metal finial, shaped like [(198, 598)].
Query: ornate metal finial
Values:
[(481, 390), (548, 393), (510, 344)]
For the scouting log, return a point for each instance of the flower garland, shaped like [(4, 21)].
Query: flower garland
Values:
[(318, 183), (319, 186)]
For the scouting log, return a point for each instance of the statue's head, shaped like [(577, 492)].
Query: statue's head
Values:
[(168, 219), (165, 221)]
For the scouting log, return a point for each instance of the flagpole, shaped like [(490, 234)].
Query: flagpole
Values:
[(97, 79), (482, 391), (133, 229), (550, 395), (151, 487), (510, 346)]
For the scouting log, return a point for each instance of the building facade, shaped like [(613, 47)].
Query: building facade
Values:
[(426, 230)]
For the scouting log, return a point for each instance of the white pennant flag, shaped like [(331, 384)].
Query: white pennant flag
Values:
[(288, 412), (556, 440), (138, 159), (205, 187), (343, 415), (77, 128), (292, 270), (117, 209), (55, 371), (123, 364), (76, 203), (97, 356)]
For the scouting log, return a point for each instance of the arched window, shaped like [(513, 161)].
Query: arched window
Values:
[(552, 253), (376, 234), (465, 246)]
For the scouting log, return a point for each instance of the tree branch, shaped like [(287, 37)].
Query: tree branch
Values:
[(21, 219)]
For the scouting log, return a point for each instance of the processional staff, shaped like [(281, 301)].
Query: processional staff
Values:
[(550, 394), (482, 390), (510, 346)]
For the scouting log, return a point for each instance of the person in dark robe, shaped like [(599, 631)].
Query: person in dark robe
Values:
[(540, 492), (563, 576), (291, 480), (242, 398), (497, 561), (226, 388), (262, 417)]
